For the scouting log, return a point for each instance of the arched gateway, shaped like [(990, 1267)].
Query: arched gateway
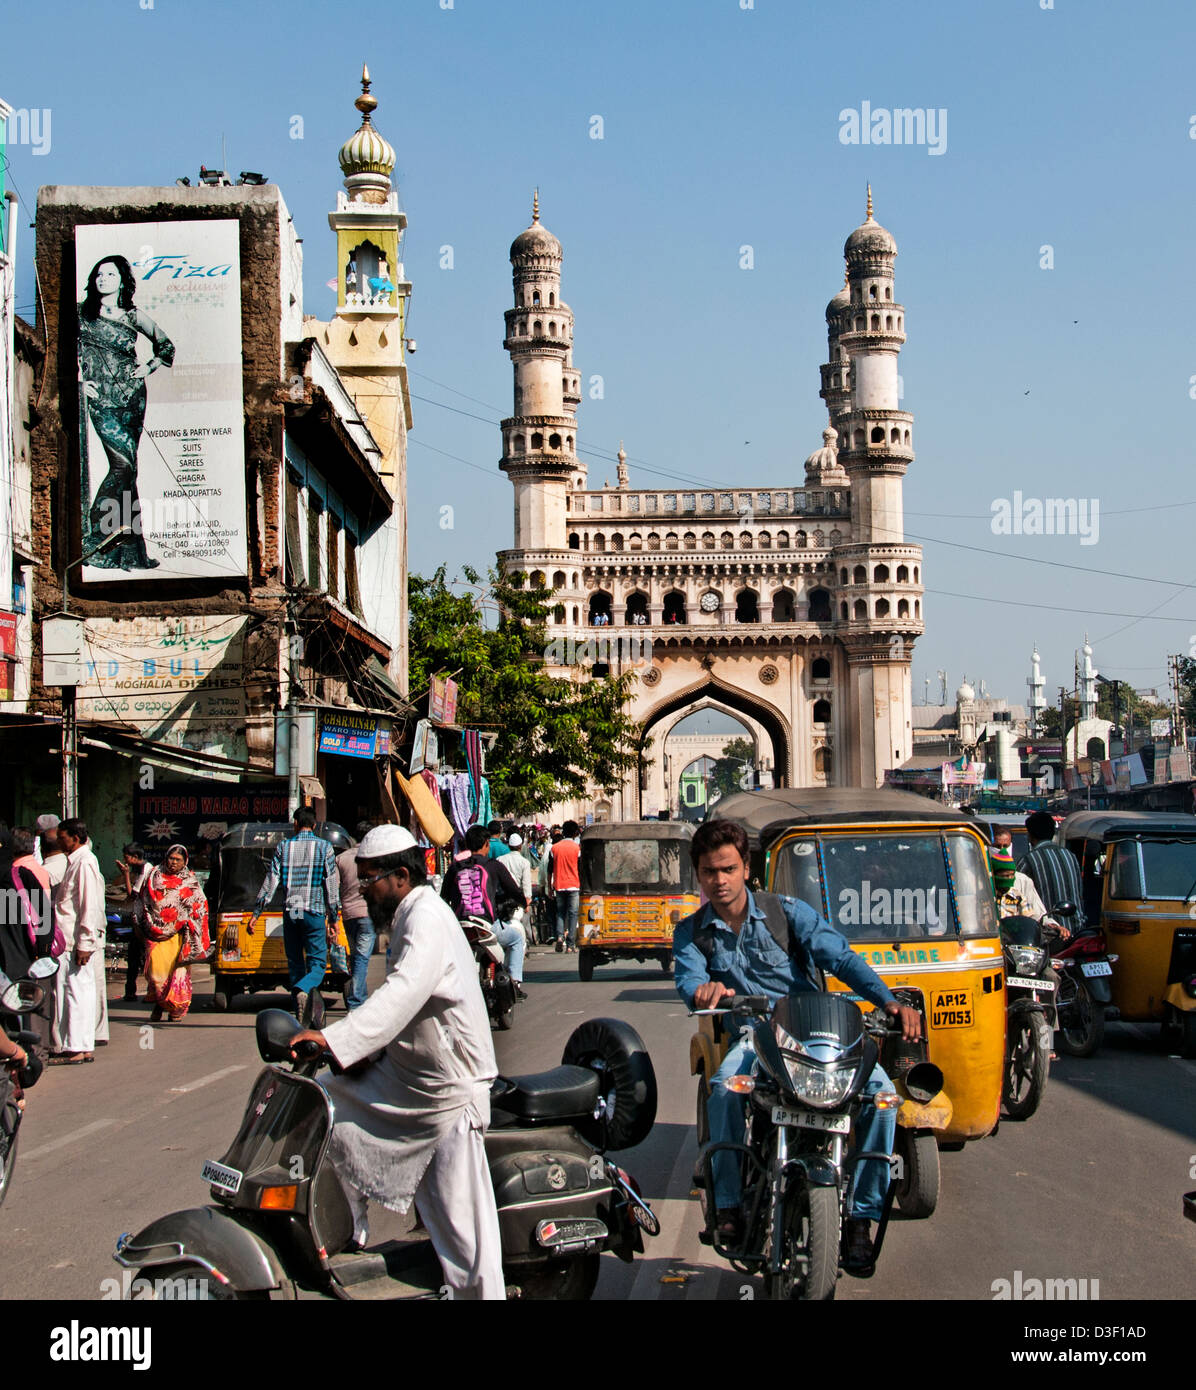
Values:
[(795, 607)]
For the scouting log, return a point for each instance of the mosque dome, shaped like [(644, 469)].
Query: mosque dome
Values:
[(870, 238), (825, 460), (838, 304), (537, 241), (964, 693), (366, 158)]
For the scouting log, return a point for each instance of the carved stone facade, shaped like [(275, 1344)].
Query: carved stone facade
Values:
[(793, 606)]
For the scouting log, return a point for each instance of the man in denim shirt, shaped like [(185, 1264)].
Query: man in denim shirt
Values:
[(746, 959)]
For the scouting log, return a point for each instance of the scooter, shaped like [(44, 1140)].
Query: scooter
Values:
[(23, 997), (1085, 1002), (498, 989), (1030, 990), (280, 1222)]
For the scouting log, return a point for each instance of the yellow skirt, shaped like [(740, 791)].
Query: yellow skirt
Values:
[(160, 961)]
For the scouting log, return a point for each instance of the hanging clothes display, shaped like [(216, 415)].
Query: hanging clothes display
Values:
[(427, 810)]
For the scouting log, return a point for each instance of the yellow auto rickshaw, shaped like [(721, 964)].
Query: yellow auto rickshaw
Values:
[(906, 880), (245, 964), (637, 882), (1138, 870)]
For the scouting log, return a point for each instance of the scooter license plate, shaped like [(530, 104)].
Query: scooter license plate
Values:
[(1096, 967), (226, 1179), (808, 1119), (1042, 986)]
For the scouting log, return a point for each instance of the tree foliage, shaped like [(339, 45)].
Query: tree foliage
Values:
[(556, 736)]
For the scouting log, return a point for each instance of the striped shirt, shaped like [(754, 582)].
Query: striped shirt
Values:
[(1055, 872), (306, 867)]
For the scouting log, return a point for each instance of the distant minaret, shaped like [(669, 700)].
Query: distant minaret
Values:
[(540, 437), (623, 479), (1037, 703), (1087, 684)]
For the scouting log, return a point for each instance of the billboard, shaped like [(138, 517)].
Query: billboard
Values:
[(161, 432), (170, 680)]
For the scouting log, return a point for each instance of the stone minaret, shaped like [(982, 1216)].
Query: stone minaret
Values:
[(540, 437), (880, 596), (1037, 701)]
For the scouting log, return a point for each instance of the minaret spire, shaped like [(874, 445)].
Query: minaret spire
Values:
[(869, 218), (535, 206)]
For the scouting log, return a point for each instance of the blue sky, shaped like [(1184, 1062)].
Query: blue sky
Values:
[(1067, 127)]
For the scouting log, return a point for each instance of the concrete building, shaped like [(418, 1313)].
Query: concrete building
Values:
[(792, 606), (255, 560)]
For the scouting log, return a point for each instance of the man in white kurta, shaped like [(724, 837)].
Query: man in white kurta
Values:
[(79, 913), (412, 1127)]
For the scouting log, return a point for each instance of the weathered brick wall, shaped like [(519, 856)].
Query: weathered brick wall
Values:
[(55, 443)]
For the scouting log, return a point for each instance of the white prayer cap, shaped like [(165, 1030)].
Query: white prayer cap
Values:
[(514, 841), (44, 824), (383, 840)]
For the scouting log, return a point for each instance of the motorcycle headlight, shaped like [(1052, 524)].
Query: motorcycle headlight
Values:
[(1028, 959), (824, 1088)]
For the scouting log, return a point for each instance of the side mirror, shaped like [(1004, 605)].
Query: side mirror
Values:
[(1063, 909), (23, 997), (275, 1028), (44, 968)]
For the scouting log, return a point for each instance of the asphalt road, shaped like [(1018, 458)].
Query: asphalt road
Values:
[(1089, 1188)]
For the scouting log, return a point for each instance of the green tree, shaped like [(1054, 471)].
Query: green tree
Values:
[(555, 736), (728, 770)]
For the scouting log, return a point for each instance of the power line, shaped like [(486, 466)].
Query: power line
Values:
[(1056, 608)]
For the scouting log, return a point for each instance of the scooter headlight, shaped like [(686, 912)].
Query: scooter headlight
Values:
[(823, 1088), (1028, 959)]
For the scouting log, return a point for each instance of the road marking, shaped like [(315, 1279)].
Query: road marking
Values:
[(63, 1140), (205, 1080)]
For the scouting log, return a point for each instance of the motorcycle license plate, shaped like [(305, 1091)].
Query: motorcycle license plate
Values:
[(226, 1179), (1096, 967), (1043, 986), (808, 1119)]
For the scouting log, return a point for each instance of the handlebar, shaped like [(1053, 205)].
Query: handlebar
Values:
[(308, 1050)]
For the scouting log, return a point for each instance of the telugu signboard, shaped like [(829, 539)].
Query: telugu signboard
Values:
[(172, 680), (161, 417)]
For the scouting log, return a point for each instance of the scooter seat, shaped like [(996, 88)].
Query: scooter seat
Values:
[(562, 1093)]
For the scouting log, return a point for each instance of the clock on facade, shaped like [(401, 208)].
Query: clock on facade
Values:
[(709, 602)]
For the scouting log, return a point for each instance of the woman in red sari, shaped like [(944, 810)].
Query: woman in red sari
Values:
[(173, 918)]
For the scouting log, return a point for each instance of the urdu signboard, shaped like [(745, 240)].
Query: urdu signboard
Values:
[(161, 415)]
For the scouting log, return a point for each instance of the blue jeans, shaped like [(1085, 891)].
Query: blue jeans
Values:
[(512, 939), (876, 1131), (306, 942), (566, 915), (361, 934)]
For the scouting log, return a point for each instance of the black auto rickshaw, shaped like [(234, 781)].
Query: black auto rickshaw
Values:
[(245, 964)]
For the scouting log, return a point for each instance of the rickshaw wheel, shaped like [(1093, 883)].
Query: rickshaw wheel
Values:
[(666, 962), (1082, 1039), (918, 1189), (1179, 1032), (222, 994), (585, 965)]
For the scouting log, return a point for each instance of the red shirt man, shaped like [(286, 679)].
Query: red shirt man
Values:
[(565, 881)]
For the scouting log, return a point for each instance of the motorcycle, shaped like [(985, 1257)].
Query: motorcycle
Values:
[(1030, 991), (280, 1222), (498, 989), (1085, 997), (23, 997), (815, 1053)]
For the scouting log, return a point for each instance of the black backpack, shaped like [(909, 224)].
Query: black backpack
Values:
[(778, 927)]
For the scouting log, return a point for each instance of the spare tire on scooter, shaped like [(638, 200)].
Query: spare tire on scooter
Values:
[(617, 1053)]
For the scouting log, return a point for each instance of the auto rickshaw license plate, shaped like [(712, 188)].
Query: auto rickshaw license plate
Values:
[(806, 1119), (951, 1008), (226, 1179)]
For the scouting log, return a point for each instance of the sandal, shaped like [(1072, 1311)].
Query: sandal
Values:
[(69, 1059)]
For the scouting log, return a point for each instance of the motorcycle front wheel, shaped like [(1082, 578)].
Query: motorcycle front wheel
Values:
[(811, 1229), (1084, 1029), (186, 1284), (1026, 1066)]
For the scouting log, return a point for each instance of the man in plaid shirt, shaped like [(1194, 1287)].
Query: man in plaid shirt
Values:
[(306, 867)]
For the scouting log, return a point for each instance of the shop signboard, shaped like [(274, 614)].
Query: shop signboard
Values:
[(8, 655), (350, 735), (442, 700), (198, 812)]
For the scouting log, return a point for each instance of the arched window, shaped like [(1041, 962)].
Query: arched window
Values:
[(782, 540), (1096, 748), (600, 606), (536, 298), (783, 610), (880, 575), (551, 330), (858, 439), (689, 541), (820, 606), (537, 441), (554, 441), (539, 579), (765, 540), (876, 323), (636, 541), (745, 540), (872, 292), (537, 328), (894, 436), (860, 612), (903, 608), (747, 606), (518, 579), (889, 323), (882, 607), (836, 536), (574, 541), (878, 434), (822, 712), (569, 442), (859, 323), (888, 292), (558, 613), (822, 763), (674, 607), (670, 540), (707, 540), (902, 574), (616, 541), (727, 541), (821, 669), (859, 575), (906, 440), (575, 615), (599, 542), (558, 579), (917, 608), (916, 579), (653, 540), (843, 611), (801, 540), (842, 576), (520, 443), (551, 299), (637, 609)]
